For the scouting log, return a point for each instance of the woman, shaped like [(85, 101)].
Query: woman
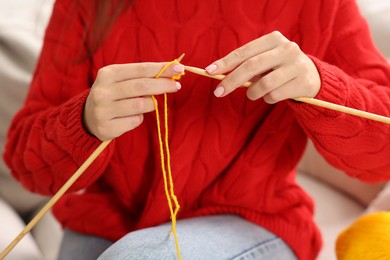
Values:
[(233, 150)]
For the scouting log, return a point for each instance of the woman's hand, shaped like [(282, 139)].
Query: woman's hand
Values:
[(277, 67), (121, 95)]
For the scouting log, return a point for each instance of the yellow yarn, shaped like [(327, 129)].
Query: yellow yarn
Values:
[(169, 190), (367, 238)]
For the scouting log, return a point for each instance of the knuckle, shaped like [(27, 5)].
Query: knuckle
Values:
[(292, 47), (267, 82), (107, 71), (142, 68), (224, 62), (277, 36), (251, 64), (272, 97), (299, 66), (240, 52), (98, 95), (138, 105), (141, 86)]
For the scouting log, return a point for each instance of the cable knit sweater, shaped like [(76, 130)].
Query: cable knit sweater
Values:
[(229, 155)]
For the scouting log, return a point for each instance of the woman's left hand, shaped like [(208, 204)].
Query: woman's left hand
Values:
[(277, 68)]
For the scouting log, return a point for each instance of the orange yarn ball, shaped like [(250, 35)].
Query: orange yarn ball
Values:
[(367, 238)]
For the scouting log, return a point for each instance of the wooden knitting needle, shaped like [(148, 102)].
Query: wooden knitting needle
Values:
[(54, 199), (312, 101), (59, 193)]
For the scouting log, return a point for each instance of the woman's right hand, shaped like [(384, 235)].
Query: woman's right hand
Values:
[(121, 94)]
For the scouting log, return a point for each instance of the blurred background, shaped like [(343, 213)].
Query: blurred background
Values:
[(339, 199)]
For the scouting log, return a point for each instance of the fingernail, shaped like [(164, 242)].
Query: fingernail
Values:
[(178, 85), (211, 68), (179, 68), (218, 92)]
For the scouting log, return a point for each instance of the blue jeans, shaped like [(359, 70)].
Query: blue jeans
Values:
[(211, 237)]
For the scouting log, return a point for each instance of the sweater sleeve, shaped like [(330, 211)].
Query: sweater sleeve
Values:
[(353, 74), (46, 141)]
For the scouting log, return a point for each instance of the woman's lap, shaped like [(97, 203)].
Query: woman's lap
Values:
[(212, 237)]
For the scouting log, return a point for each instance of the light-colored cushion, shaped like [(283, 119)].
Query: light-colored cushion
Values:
[(313, 164), (333, 211), (42, 243), (377, 13), (381, 201), (48, 235), (10, 226), (22, 26), (339, 199)]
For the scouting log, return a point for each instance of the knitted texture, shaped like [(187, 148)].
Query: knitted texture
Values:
[(228, 155), (367, 238)]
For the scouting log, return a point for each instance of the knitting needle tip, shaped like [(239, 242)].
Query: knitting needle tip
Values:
[(181, 57)]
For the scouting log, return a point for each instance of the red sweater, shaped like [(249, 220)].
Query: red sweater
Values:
[(229, 155)]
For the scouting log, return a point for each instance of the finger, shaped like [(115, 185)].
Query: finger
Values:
[(271, 81), (252, 67), (118, 126), (123, 72), (125, 124), (249, 50), (131, 107), (144, 87), (289, 90)]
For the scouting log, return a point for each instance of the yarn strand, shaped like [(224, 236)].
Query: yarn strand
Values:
[(168, 191), (166, 160)]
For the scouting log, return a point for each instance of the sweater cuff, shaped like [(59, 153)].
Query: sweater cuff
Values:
[(74, 138), (333, 89)]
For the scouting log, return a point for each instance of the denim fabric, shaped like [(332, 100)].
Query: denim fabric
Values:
[(211, 237)]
